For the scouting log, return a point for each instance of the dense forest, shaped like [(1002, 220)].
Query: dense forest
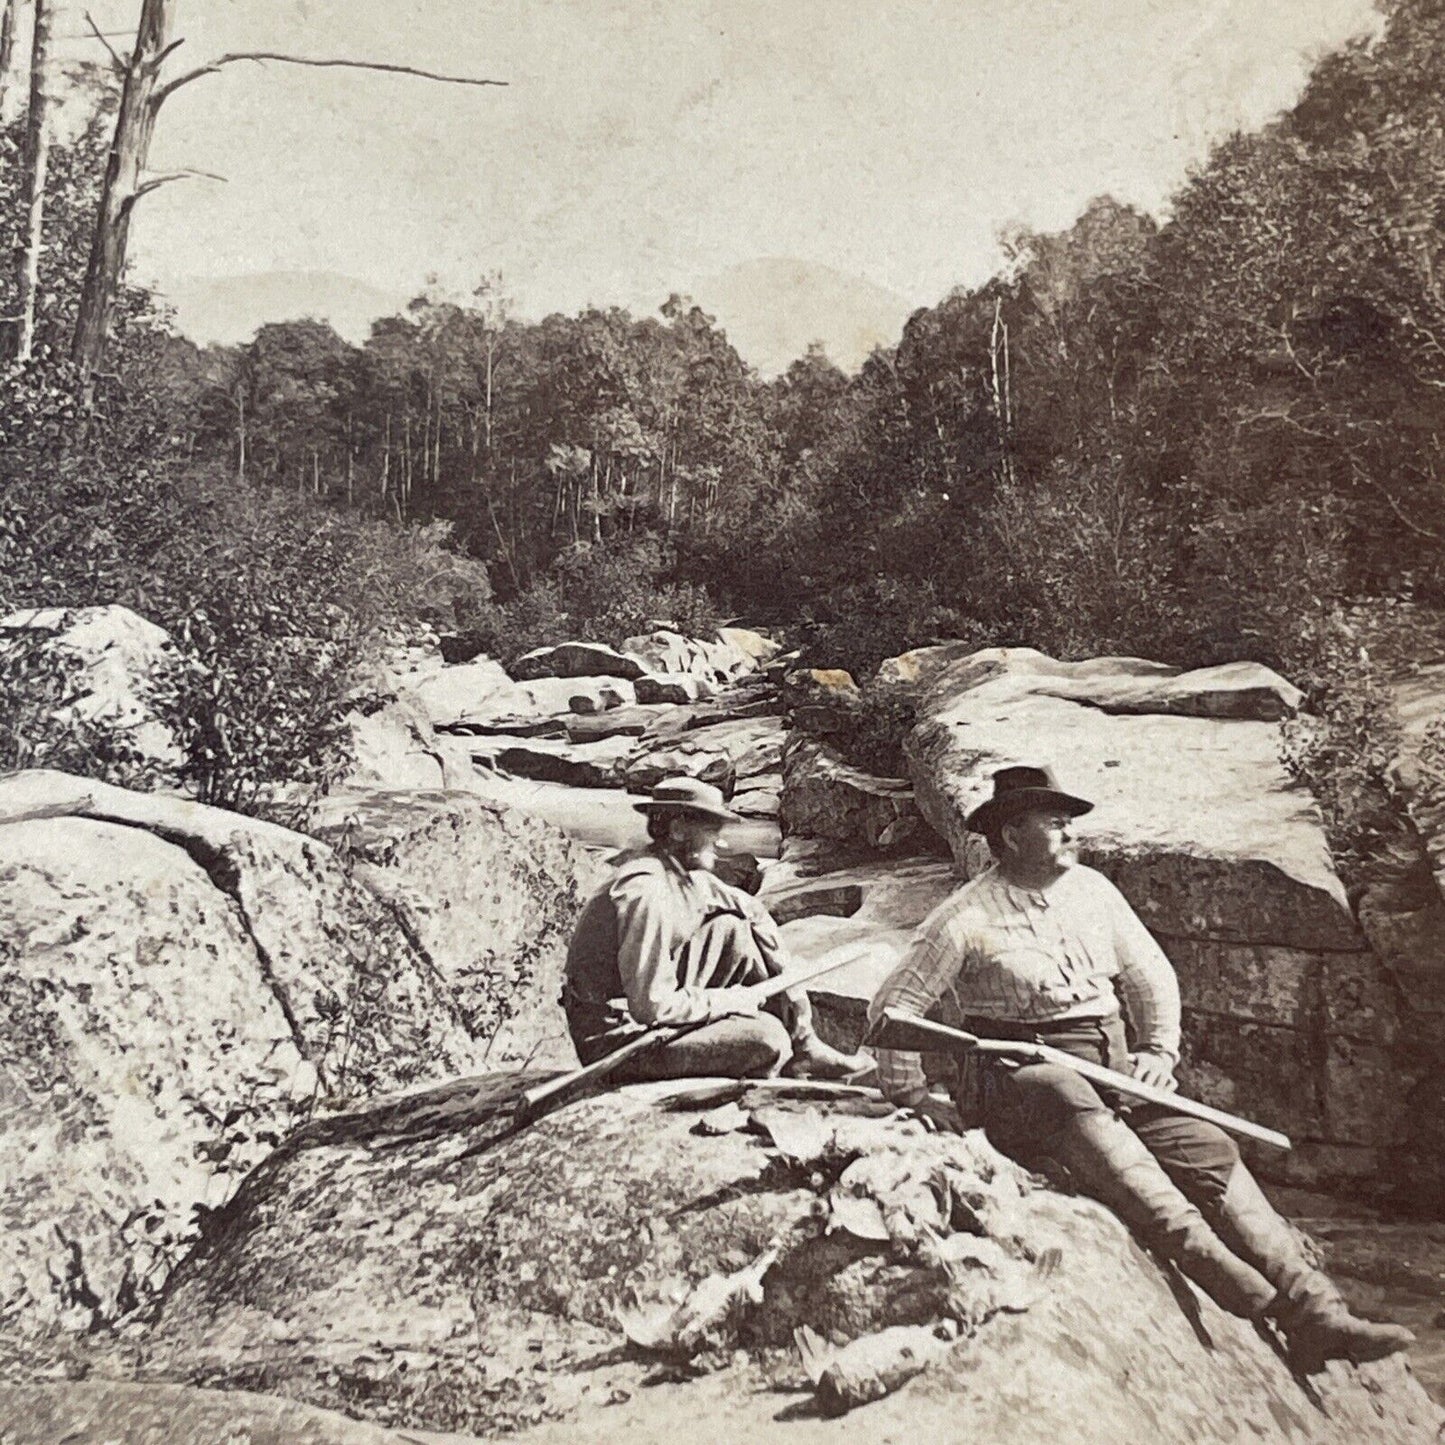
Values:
[(1213, 436)]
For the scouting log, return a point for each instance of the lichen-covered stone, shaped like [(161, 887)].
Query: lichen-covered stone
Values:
[(183, 984), (425, 1266), (116, 1412), (489, 894)]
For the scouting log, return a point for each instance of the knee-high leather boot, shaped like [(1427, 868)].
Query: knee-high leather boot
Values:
[(1308, 1308), (1108, 1161)]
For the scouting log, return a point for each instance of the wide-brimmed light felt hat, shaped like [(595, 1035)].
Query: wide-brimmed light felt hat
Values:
[(1018, 790), (688, 795)]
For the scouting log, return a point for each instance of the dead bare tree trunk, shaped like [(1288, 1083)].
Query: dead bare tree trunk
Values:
[(142, 96), (240, 433), (134, 126), (37, 166), (7, 45), (1002, 397)]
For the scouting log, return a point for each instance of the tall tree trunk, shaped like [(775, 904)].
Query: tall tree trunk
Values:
[(7, 46), (134, 126), (240, 434), (37, 165), (1002, 400), (491, 349), (386, 461)]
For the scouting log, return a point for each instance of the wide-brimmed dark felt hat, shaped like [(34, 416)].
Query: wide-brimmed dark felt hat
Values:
[(688, 795), (1017, 790)]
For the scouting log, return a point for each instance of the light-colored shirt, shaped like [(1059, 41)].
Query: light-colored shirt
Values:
[(995, 950), (634, 932)]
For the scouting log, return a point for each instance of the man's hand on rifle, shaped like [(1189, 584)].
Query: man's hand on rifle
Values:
[(742, 1000), (1155, 1070)]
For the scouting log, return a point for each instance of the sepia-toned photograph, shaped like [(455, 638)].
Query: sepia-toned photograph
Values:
[(722, 721)]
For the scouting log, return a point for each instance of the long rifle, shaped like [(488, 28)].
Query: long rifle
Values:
[(542, 1097), (900, 1030)]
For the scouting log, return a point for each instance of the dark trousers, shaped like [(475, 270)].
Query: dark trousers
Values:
[(1027, 1108)]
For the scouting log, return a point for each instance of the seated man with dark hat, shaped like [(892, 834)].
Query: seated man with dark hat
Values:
[(668, 942), (1043, 949)]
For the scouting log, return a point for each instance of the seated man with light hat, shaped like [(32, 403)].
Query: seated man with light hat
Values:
[(666, 941)]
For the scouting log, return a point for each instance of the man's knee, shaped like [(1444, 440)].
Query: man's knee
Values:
[(1197, 1155), (725, 951), (730, 929)]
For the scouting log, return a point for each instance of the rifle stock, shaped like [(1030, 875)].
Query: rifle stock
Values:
[(905, 1031)]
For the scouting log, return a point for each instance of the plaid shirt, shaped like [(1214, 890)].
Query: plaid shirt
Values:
[(995, 950)]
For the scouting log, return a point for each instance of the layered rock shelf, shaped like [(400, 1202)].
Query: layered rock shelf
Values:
[(1291, 1015), (205, 1009)]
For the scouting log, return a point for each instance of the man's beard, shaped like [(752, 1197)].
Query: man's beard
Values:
[(700, 857)]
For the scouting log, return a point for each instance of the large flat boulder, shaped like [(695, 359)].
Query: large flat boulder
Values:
[(490, 896), (1289, 1015), (644, 1258), (184, 985), (1195, 817), (717, 660), (466, 692)]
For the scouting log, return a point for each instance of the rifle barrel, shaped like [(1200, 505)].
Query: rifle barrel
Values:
[(955, 1040)]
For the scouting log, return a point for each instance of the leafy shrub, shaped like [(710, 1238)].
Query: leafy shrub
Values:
[(857, 627), (873, 739), (1343, 748), (601, 593), (279, 608), (40, 727), (617, 589), (260, 719)]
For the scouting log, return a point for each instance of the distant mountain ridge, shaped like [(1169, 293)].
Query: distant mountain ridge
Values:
[(772, 309), (228, 309)]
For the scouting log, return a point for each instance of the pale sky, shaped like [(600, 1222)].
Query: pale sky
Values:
[(643, 145)]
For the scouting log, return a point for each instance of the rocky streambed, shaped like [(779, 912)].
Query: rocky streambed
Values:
[(408, 1266), (1294, 1008)]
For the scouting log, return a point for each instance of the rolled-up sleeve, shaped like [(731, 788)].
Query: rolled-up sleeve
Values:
[(1147, 982)]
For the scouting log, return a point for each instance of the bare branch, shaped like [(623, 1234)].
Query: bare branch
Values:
[(156, 182), (165, 54), (260, 57), (100, 36), (1361, 475)]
